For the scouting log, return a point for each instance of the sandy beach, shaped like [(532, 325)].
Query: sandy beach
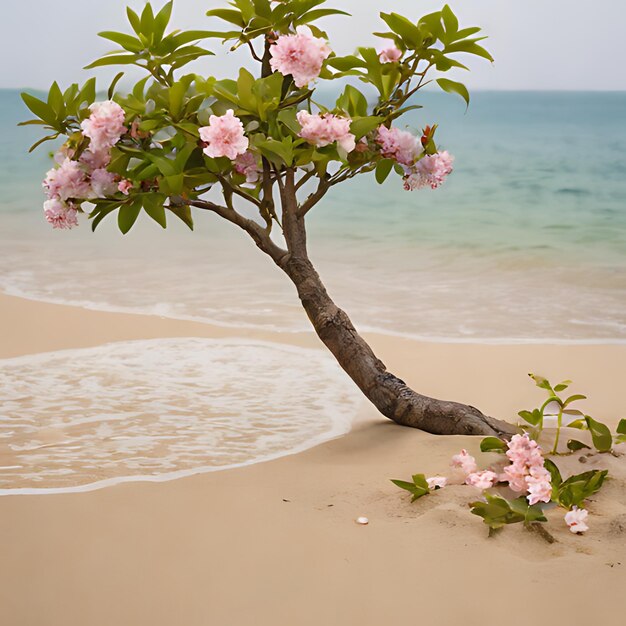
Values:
[(276, 543)]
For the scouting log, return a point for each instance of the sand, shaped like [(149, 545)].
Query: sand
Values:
[(276, 543)]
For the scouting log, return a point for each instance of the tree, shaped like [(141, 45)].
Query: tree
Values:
[(265, 141)]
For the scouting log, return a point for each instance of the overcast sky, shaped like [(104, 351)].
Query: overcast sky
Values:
[(537, 44)]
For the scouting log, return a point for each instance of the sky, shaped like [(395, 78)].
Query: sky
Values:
[(537, 44)]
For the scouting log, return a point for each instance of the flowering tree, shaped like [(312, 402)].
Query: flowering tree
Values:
[(262, 139)]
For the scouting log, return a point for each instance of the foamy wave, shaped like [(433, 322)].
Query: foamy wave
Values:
[(157, 410)]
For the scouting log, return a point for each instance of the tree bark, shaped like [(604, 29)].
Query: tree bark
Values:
[(388, 393)]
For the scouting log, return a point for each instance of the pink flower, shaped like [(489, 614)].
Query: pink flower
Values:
[(430, 171), (103, 183), (322, 130), (524, 450), (515, 475), (464, 461), (437, 482), (69, 180), (576, 520), (399, 145), (390, 55), (104, 126), (225, 136), (125, 186), (247, 165), (96, 160), (300, 55), (539, 484), (482, 480), (59, 214)]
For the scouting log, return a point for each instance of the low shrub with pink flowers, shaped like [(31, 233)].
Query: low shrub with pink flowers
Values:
[(525, 483)]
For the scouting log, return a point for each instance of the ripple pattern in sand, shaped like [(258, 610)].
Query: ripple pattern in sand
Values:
[(161, 409)]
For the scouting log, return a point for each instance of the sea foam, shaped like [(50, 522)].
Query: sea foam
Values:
[(77, 420)]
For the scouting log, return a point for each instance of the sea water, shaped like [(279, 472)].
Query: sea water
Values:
[(526, 242)]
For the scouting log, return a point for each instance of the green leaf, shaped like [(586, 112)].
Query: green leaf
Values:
[(383, 169), (574, 398), (134, 20), (579, 424), (176, 98), (450, 21), (273, 150), (153, 205), (289, 119), (114, 82), (600, 434), (621, 427), (542, 382), (313, 16), (161, 21), (127, 216), (56, 102), (574, 445), (128, 42), (451, 86), (40, 109), (532, 417), (99, 214), (576, 489), (245, 84), (556, 478), (497, 511), (353, 102), (408, 31), (346, 63), (418, 488), (172, 185), (364, 125), (114, 59), (562, 386), (228, 15), (493, 444), (43, 140), (147, 22), (183, 213)]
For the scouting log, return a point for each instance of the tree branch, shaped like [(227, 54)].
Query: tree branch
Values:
[(257, 233), (239, 192), (323, 186)]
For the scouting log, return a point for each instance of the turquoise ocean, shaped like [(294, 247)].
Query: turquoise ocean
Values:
[(525, 242)]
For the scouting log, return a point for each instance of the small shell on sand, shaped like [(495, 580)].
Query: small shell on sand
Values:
[(362, 520)]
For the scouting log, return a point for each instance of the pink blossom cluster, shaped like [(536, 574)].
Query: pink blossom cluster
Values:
[(430, 171), (576, 519), (399, 145), (86, 178), (300, 55), (59, 214), (225, 136), (467, 463), (527, 472), (323, 130), (104, 126), (464, 461), (390, 55), (247, 165)]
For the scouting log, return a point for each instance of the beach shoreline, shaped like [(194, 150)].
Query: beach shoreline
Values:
[(276, 542)]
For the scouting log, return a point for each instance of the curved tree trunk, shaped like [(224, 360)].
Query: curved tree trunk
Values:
[(390, 395)]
